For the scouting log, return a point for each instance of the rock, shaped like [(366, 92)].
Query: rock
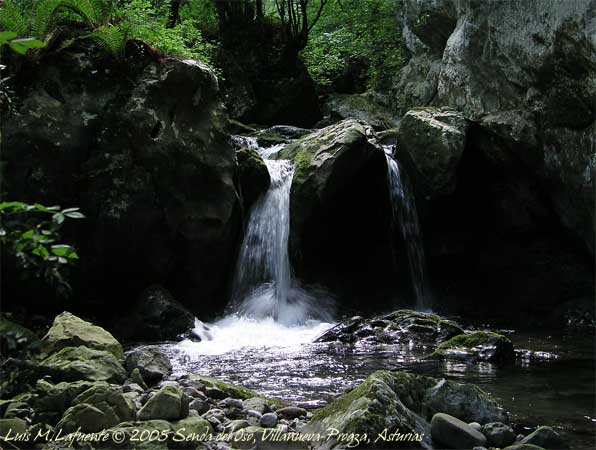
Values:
[(498, 434), (434, 139), (523, 447), (220, 390), (169, 403), (360, 107), (55, 399), (257, 404), (152, 363), (133, 387), (236, 425), (148, 159), (158, 317), (70, 331), (454, 433), (286, 131), (477, 346), (82, 363), (160, 430), (253, 175), (370, 408), (291, 412), (520, 85), (476, 426), (137, 378), (15, 338), (232, 403), (17, 375), (110, 400), (191, 431), (467, 402), (199, 405), (268, 420), (399, 326), (247, 438), (545, 437), (252, 413), (12, 425), (88, 418)]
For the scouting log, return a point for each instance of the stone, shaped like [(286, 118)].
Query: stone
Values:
[(291, 412), (136, 377), (88, 418), (364, 107), (191, 431), (110, 400), (523, 447), (545, 437), (69, 330), (454, 433), (199, 405), (13, 425), (16, 338), (152, 363), (232, 403), (477, 346), (467, 402), (236, 425), (268, 420), (169, 403), (83, 363), (476, 426), (498, 434), (434, 140), (161, 431), (253, 175), (257, 404), (55, 399)]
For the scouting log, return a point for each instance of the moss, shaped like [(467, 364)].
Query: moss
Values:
[(235, 391), (302, 163), (469, 341)]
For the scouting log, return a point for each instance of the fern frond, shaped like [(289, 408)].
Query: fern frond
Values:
[(43, 16), (14, 18), (112, 38)]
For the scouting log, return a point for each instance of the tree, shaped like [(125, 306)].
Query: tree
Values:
[(296, 23), (174, 15)]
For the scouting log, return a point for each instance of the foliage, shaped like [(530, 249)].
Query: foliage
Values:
[(32, 234), (366, 29), (19, 45)]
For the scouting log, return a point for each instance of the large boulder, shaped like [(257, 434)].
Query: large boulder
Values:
[(454, 433), (152, 363), (82, 363), (545, 437), (477, 346), (529, 85), (169, 403), (253, 175), (339, 191), (363, 107), (141, 148), (70, 331), (434, 140)]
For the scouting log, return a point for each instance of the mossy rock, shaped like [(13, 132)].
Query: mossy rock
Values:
[(83, 363), (69, 330), (220, 390), (169, 403), (16, 338), (253, 175), (134, 429), (477, 346)]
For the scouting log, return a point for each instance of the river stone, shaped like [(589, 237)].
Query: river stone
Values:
[(498, 434), (110, 400), (467, 402), (434, 139), (371, 407), (257, 404), (70, 331), (88, 418), (152, 363), (477, 346), (195, 429), (169, 403), (83, 363), (291, 412), (14, 425), (523, 447), (137, 378), (236, 425), (199, 405), (454, 433), (136, 429), (545, 437), (268, 420)]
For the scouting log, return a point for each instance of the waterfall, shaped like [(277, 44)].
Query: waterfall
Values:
[(263, 284), (405, 215)]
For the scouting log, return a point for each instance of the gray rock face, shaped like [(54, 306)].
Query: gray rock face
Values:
[(361, 107), (454, 433), (152, 363), (146, 156), (498, 434), (545, 437), (434, 140), (529, 84)]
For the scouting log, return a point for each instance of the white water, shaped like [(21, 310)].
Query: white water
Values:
[(405, 215)]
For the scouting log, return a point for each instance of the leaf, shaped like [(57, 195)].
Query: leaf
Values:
[(61, 250), (67, 210), (21, 46), (74, 215), (13, 205), (58, 218), (41, 251), (6, 36), (28, 234)]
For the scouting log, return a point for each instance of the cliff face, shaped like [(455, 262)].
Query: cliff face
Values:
[(524, 74)]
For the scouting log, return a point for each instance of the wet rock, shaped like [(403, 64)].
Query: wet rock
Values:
[(54, 399), (467, 402), (136, 377), (152, 363), (291, 412), (236, 425), (523, 447), (476, 426), (14, 425), (498, 434), (110, 400), (199, 405), (545, 437), (253, 175), (131, 432), (69, 330), (133, 387), (268, 420), (287, 131), (434, 140), (82, 363), (363, 107), (169, 403), (193, 430), (399, 326), (477, 346), (232, 403), (88, 418), (257, 404), (253, 413), (158, 317), (454, 433)]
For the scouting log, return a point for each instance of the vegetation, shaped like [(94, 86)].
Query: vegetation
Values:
[(32, 234), (351, 30)]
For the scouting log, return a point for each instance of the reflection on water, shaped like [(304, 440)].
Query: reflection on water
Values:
[(552, 382)]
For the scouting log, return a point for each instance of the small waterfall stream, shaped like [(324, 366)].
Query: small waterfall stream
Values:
[(405, 215)]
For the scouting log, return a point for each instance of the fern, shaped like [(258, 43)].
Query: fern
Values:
[(43, 17), (112, 38), (13, 18)]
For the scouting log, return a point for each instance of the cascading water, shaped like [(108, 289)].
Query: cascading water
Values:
[(405, 215)]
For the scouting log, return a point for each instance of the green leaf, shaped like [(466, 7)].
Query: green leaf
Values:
[(67, 210), (41, 251), (58, 218), (28, 234), (61, 250), (6, 36), (74, 215)]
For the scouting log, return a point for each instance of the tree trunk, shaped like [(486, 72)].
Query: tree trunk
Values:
[(174, 13)]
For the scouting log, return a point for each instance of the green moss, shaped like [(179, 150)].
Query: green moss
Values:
[(235, 391), (471, 340), (302, 163)]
